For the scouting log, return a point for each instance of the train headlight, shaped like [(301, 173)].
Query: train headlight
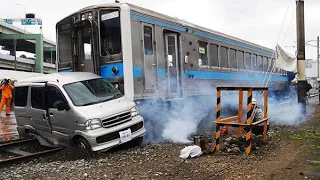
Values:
[(114, 70)]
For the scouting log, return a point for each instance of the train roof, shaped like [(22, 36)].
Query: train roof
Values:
[(171, 19)]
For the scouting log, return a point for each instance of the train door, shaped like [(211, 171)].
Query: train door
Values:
[(83, 47), (172, 65), (149, 58)]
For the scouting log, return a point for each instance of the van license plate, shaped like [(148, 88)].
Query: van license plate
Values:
[(125, 136)]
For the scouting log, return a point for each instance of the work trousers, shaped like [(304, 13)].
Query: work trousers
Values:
[(7, 102)]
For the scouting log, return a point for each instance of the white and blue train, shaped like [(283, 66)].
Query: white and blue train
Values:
[(151, 55), (170, 67)]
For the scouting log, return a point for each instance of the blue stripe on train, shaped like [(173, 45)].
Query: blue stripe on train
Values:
[(198, 33), (137, 73), (105, 71)]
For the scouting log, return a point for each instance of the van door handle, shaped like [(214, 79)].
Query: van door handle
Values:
[(44, 117), (51, 114)]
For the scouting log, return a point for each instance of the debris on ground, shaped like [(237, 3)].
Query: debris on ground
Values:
[(190, 151)]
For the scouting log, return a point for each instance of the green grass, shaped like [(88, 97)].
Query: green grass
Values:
[(305, 135)]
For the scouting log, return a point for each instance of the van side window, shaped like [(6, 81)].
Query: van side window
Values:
[(37, 100), (54, 95), (21, 95)]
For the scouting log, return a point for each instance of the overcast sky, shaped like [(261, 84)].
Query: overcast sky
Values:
[(257, 21)]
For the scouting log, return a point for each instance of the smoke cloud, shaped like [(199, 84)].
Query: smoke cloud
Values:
[(178, 121)]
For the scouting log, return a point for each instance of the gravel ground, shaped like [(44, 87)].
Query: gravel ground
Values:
[(157, 161)]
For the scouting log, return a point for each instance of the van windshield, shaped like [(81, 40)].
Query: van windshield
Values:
[(93, 91)]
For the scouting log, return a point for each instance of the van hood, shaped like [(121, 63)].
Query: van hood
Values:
[(108, 108)]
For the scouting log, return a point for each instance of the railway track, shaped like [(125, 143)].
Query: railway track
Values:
[(23, 149)]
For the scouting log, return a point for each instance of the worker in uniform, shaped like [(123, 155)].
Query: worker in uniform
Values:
[(257, 116), (13, 93), (6, 98)]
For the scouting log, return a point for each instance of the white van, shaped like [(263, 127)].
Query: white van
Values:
[(77, 108)]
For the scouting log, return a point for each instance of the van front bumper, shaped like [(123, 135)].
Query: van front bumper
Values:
[(105, 138)]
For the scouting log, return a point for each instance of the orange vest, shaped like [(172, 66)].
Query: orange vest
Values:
[(7, 91)]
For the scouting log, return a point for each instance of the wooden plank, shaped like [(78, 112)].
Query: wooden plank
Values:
[(261, 121), (233, 124), (229, 119)]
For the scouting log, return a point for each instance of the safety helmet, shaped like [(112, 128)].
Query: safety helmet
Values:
[(254, 101)]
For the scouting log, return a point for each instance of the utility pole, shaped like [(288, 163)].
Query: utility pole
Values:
[(301, 64), (318, 67), (318, 55), (15, 53)]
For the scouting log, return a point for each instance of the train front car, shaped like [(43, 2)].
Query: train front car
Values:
[(97, 39)]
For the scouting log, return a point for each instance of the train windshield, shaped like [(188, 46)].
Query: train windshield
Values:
[(64, 43), (110, 34)]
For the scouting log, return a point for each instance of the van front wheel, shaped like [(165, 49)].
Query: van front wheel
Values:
[(83, 144)]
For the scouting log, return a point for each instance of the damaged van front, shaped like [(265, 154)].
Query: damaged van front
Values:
[(82, 109)]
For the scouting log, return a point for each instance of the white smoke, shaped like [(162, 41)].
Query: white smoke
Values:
[(176, 121), (178, 130)]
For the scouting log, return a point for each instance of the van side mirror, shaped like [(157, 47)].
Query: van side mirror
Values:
[(61, 105)]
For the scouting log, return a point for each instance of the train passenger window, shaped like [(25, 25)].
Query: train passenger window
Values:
[(203, 54), (147, 34), (214, 60), (232, 58), (265, 64), (240, 59), (260, 63), (224, 57), (270, 64), (248, 61), (254, 62), (273, 65)]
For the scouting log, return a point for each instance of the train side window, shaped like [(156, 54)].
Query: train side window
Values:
[(203, 54), (214, 60), (20, 96), (240, 59), (254, 62), (233, 58), (148, 48), (269, 64), (265, 64), (260, 63), (37, 100), (273, 65), (224, 57), (248, 61)]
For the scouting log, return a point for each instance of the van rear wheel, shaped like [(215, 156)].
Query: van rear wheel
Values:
[(83, 144)]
